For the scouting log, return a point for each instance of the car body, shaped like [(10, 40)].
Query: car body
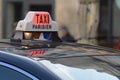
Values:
[(48, 58), (14, 67)]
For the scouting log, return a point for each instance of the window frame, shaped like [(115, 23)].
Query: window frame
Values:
[(18, 70)]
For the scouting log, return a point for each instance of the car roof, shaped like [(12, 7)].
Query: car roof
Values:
[(28, 65)]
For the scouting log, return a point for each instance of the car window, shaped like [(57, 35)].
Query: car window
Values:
[(9, 72)]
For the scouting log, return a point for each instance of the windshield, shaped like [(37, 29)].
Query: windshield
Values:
[(74, 57)]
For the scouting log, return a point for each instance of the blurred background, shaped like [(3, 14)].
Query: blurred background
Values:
[(88, 21)]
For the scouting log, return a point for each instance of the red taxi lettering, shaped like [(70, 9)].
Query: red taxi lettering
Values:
[(36, 52), (41, 20)]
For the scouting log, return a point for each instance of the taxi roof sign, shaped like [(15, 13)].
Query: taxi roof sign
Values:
[(37, 21)]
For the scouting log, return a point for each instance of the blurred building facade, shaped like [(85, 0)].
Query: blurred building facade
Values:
[(89, 21), (81, 16)]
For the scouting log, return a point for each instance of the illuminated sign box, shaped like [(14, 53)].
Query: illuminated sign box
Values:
[(37, 21)]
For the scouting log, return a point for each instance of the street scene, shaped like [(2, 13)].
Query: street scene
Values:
[(59, 40)]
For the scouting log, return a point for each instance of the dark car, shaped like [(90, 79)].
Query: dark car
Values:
[(46, 60), (14, 67)]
